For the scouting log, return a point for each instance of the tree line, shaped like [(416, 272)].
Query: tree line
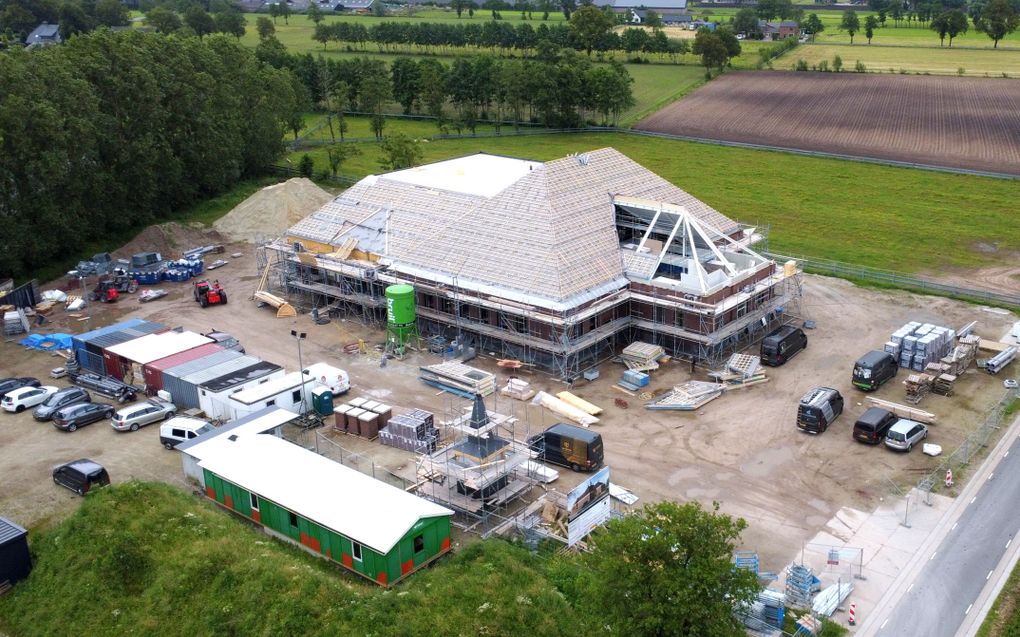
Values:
[(115, 130), (563, 89), (502, 37)]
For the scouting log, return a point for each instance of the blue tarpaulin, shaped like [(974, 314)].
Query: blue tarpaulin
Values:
[(46, 342)]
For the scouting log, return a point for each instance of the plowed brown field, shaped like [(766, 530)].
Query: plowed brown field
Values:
[(944, 121)]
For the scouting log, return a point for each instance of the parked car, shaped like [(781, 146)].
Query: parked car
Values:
[(62, 398), (10, 384), (872, 370), (226, 341), (818, 409), (569, 446), (181, 428), (782, 344), (81, 476), (873, 424), (20, 399), (73, 416), (143, 413), (905, 434)]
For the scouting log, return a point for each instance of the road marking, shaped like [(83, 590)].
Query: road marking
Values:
[(987, 577), (991, 475), (1005, 454), (884, 623), (911, 588), (973, 499), (967, 612), (954, 526), (932, 556), (1009, 542)]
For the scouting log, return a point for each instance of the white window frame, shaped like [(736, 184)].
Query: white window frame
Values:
[(356, 551)]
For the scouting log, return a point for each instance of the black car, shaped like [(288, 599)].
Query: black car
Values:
[(73, 416), (81, 476), (63, 398), (10, 384)]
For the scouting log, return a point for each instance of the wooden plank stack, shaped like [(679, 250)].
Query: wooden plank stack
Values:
[(918, 386), (642, 357)]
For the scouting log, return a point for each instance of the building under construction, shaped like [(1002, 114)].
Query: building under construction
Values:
[(555, 264)]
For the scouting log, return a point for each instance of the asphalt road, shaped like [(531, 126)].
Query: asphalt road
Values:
[(946, 589)]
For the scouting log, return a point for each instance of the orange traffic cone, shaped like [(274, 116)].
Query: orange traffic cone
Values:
[(949, 477), (853, 614)]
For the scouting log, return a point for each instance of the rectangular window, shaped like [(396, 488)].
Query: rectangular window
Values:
[(293, 518), (295, 396), (483, 315), (270, 403), (356, 550), (741, 309), (660, 314), (254, 501), (419, 543)]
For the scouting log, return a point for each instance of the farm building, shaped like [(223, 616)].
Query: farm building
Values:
[(15, 560), (269, 421), (553, 263), (373, 529), (659, 6)]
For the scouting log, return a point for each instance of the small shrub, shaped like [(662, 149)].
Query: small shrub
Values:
[(823, 66), (307, 166), (1005, 75), (860, 68), (961, 71), (837, 64), (802, 65), (903, 71)]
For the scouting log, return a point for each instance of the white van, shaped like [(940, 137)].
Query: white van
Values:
[(181, 428)]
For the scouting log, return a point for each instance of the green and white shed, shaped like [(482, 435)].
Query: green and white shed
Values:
[(376, 530)]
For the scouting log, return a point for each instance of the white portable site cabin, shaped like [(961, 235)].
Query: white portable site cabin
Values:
[(267, 421), (286, 392), (214, 395)]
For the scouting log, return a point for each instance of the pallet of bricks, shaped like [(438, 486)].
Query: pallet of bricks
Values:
[(413, 431), (916, 344), (361, 417)]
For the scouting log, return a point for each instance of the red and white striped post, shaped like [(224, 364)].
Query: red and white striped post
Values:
[(853, 614), (949, 478)]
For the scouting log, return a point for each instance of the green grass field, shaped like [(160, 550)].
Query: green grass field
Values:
[(842, 210), (888, 59)]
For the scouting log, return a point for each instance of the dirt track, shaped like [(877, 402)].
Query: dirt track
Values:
[(741, 450), (943, 121)]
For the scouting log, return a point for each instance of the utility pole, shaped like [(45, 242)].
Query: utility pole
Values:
[(300, 336)]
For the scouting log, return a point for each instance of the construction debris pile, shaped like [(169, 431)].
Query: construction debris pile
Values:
[(741, 370), (458, 378), (413, 431), (916, 344)]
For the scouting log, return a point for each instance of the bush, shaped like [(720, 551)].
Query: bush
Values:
[(837, 64), (823, 66), (860, 68), (307, 166), (960, 71), (802, 65)]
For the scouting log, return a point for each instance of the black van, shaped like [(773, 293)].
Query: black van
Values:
[(81, 476), (873, 424), (782, 344), (872, 370), (818, 408), (569, 446)]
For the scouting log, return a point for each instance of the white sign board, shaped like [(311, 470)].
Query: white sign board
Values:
[(593, 517)]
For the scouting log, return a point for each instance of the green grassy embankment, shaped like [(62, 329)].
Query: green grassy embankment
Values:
[(146, 558)]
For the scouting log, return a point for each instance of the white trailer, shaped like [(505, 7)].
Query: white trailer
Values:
[(214, 395), (292, 392)]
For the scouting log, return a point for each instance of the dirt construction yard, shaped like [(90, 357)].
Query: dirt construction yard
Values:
[(943, 121), (742, 450)]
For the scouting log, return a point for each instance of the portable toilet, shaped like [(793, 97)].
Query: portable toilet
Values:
[(322, 401)]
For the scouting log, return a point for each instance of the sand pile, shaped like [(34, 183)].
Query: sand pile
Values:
[(270, 211)]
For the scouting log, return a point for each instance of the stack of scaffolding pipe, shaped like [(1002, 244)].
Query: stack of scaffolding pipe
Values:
[(580, 403), (827, 601), (554, 404)]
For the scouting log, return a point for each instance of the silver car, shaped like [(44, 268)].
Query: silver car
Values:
[(905, 434), (143, 413)]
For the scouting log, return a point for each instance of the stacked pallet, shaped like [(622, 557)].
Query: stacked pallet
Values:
[(918, 386), (642, 357), (413, 431), (959, 360), (916, 344), (801, 586), (458, 378), (943, 384), (687, 397), (741, 370)]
